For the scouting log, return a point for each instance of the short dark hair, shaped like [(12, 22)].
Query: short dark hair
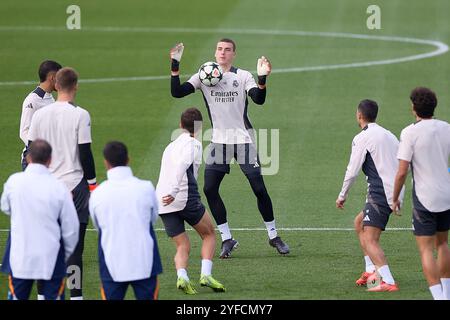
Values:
[(424, 102), (39, 151), (229, 41), (66, 78), (116, 153), (188, 118), (46, 67), (368, 109)]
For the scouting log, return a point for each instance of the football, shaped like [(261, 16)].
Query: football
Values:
[(210, 73), (373, 280)]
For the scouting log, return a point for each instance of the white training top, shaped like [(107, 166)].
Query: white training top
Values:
[(227, 106), (426, 145), (122, 209), (374, 151), (34, 101), (42, 213), (179, 170), (64, 126)]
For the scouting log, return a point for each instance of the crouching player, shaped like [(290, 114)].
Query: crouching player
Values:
[(179, 200), (123, 210)]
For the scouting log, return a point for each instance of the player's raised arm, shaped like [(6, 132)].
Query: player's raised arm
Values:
[(263, 68), (177, 89)]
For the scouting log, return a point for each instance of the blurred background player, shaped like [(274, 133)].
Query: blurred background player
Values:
[(374, 151), (123, 210), (425, 146), (180, 201), (38, 98), (231, 136), (44, 227), (67, 127)]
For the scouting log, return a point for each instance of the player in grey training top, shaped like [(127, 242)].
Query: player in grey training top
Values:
[(38, 98), (227, 108)]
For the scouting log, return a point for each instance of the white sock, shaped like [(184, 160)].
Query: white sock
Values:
[(76, 298), (206, 267), (40, 297), (446, 288), (224, 231), (370, 267), (271, 230), (386, 275), (183, 274), (436, 292)]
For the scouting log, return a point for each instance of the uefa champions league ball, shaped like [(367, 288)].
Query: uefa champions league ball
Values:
[(210, 74), (373, 280)]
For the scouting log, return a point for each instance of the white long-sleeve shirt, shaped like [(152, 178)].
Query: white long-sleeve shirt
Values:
[(374, 150), (122, 209), (178, 175), (42, 214)]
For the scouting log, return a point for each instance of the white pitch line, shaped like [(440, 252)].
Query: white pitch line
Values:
[(441, 47), (280, 229)]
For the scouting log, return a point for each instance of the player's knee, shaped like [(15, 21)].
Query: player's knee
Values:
[(370, 240), (260, 191), (210, 231), (442, 246), (184, 246)]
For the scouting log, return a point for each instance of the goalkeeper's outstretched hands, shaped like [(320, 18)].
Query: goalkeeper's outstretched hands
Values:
[(175, 56), (263, 68)]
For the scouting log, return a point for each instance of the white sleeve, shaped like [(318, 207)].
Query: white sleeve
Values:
[(84, 128), (249, 82), (32, 131), (25, 120), (70, 225), (357, 159), (5, 203), (405, 148), (195, 81), (184, 161)]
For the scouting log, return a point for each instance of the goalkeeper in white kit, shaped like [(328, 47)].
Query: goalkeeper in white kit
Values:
[(232, 137)]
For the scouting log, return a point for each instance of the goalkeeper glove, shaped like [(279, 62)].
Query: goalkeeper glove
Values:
[(263, 69), (175, 55)]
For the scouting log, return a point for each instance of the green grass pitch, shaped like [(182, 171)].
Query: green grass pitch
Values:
[(313, 110)]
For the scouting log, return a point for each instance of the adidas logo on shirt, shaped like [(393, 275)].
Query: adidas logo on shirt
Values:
[(366, 218), (256, 165)]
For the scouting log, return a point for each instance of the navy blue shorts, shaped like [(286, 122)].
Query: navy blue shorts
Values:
[(221, 155), (375, 215), (146, 289), (20, 289), (174, 221), (426, 223)]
